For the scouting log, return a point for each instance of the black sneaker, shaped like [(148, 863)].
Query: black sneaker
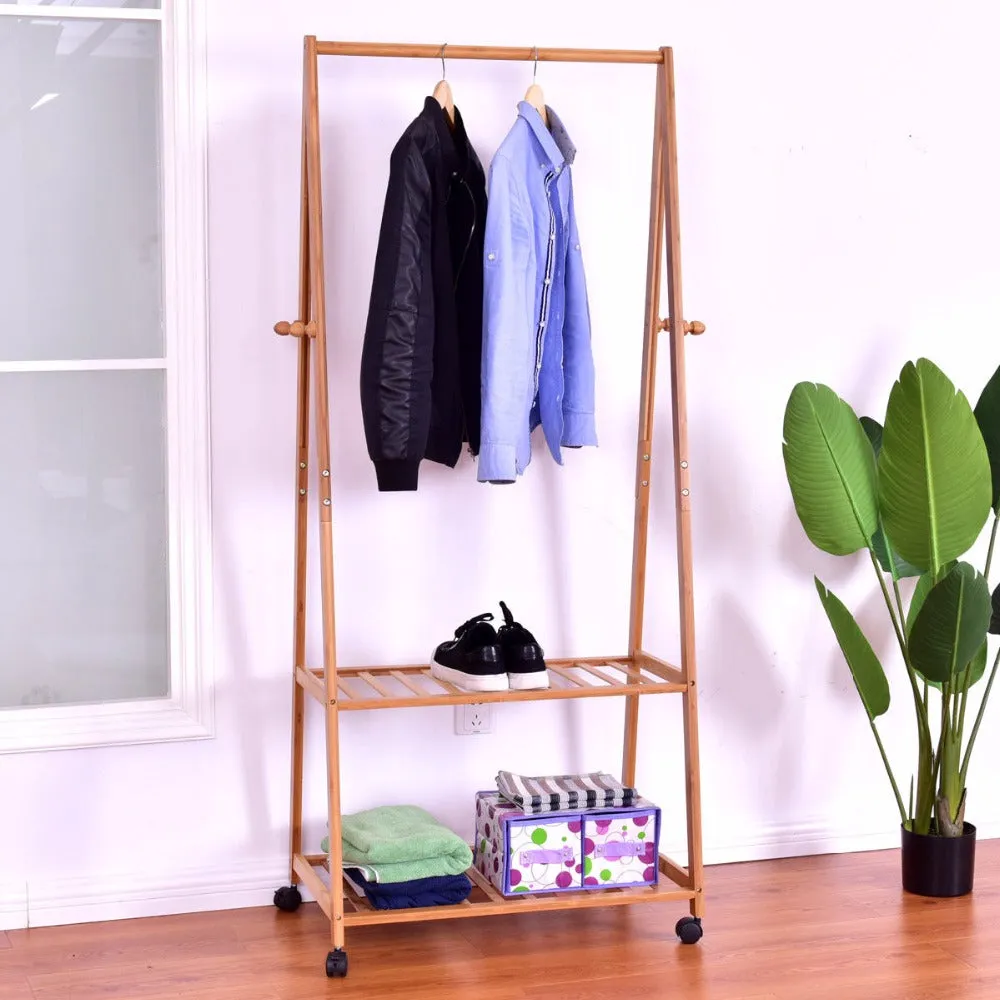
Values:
[(522, 656), (472, 660)]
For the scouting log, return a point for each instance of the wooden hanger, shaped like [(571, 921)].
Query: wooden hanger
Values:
[(442, 92), (534, 95)]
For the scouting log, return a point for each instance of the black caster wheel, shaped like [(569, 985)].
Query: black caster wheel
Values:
[(288, 898), (689, 930), (336, 964)]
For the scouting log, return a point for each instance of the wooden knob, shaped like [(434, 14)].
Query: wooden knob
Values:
[(296, 329), (695, 327)]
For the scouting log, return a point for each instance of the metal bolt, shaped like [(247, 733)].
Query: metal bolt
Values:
[(684, 465), (302, 465), (326, 472), (685, 493), (326, 502), (645, 482), (302, 493)]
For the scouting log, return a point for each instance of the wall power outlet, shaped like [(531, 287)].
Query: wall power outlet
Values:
[(474, 720)]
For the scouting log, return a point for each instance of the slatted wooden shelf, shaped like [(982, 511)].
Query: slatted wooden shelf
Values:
[(414, 687), (485, 901)]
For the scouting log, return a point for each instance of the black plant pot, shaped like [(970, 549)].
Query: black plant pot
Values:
[(939, 866)]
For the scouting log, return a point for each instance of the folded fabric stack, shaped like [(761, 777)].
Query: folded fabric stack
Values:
[(562, 792), (401, 857)]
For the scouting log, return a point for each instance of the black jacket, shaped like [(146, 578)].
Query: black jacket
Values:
[(420, 365)]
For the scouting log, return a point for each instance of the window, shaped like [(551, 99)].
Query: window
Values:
[(104, 504)]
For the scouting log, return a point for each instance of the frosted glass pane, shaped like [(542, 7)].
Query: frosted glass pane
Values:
[(81, 238), (83, 565), (154, 4)]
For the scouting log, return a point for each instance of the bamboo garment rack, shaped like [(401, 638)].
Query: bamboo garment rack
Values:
[(632, 676)]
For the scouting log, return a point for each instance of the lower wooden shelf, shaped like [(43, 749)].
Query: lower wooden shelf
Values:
[(485, 901)]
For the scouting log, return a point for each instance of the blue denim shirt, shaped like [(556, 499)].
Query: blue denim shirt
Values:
[(537, 365)]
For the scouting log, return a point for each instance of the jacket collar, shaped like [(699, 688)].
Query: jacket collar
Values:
[(454, 142), (554, 140)]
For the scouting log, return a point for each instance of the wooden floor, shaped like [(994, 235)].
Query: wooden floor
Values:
[(826, 928)]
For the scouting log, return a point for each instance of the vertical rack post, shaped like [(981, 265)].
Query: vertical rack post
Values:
[(682, 486), (301, 505), (322, 402), (644, 454)]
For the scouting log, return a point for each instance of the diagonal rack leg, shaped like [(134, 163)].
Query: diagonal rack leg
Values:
[(682, 487), (321, 399), (643, 462), (664, 235), (301, 523)]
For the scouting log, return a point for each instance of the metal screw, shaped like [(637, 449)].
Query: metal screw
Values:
[(684, 465), (326, 472), (302, 493), (645, 482), (645, 458), (326, 503), (302, 465), (685, 493)]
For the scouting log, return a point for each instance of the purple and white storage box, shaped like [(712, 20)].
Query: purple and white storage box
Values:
[(565, 851)]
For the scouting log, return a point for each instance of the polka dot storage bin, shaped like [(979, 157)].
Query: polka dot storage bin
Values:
[(565, 851)]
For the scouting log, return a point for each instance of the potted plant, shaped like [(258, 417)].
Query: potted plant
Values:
[(914, 498)]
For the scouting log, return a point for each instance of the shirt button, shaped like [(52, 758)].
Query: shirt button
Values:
[(493, 256), (578, 246)]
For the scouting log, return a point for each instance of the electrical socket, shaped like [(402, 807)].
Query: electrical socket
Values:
[(474, 720)]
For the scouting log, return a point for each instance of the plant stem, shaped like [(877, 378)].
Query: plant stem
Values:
[(979, 718), (920, 706), (989, 554), (888, 602), (899, 604), (888, 770)]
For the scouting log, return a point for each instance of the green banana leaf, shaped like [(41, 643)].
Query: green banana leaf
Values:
[(869, 677), (951, 624), (831, 470), (891, 562), (988, 417), (934, 480)]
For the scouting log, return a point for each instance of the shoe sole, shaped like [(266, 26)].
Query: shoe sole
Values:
[(469, 682), (533, 680)]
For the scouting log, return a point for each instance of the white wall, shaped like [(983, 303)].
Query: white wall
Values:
[(839, 208)]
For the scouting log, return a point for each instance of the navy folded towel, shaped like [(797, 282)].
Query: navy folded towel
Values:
[(437, 891)]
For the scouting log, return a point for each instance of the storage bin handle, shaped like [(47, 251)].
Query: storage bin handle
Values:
[(619, 849), (541, 856)]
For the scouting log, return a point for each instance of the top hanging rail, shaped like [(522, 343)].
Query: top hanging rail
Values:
[(488, 52)]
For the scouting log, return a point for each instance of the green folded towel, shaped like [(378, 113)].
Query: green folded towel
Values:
[(400, 843)]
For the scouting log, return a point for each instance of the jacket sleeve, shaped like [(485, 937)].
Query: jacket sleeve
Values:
[(579, 428), (508, 337), (396, 359)]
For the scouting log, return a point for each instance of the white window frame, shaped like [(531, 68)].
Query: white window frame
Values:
[(188, 712)]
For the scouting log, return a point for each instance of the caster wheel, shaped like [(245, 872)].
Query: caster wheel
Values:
[(689, 930), (336, 964), (288, 898)]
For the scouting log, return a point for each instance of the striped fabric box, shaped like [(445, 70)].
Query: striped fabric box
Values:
[(566, 851)]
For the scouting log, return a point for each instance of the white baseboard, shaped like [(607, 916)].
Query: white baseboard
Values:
[(47, 902)]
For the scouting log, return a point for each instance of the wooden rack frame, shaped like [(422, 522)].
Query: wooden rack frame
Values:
[(632, 676)]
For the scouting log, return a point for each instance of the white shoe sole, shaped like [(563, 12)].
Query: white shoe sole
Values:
[(469, 682), (533, 680)]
